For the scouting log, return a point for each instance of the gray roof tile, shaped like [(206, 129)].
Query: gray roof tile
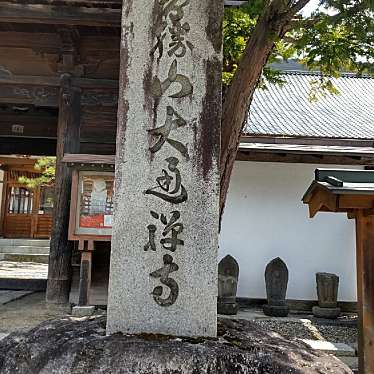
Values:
[(286, 110)]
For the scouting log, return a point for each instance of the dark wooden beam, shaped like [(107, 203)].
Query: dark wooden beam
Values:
[(44, 91), (53, 81), (303, 158), (29, 94), (3, 203), (59, 15), (365, 289), (59, 269), (27, 126), (27, 146), (16, 161), (97, 148)]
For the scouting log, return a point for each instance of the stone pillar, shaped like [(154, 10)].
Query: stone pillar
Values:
[(163, 275)]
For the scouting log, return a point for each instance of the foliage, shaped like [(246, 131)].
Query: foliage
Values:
[(338, 36), (46, 166)]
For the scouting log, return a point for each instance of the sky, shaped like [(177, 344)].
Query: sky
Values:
[(312, 5)]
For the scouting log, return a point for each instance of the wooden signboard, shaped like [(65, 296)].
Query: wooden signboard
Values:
[(91, 208)]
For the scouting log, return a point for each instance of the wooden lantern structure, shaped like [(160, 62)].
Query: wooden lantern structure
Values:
[(352, 192), (89, 221)]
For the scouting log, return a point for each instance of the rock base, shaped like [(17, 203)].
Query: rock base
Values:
[(229, 309), (276, 310), (81, 346), (330, 313)]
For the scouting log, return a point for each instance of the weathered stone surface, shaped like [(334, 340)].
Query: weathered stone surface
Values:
[(163, 276), (77, 347), (329, 313), (276, 279), (327, 290), (228, 275)]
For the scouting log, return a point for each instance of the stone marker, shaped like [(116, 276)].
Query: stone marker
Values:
[(163, 275), (276, 279), (228, 274), (327, 291)]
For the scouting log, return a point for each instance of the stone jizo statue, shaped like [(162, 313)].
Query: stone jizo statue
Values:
[(228, 274), (276, 279), (327, 291)]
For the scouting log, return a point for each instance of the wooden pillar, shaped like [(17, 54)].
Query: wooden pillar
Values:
[(365, 290), (3, 202), (85, 273), (59, 271)]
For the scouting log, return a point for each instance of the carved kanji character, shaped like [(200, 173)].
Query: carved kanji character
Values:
[(163, 273), (159, 88), (172, 185), (163, 133)]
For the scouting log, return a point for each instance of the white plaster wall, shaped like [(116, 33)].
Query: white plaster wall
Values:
[(265, 218)]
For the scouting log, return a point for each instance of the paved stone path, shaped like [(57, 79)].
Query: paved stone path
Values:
[(6, 296)]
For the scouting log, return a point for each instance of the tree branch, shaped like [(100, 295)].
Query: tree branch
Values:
[(270, 27)]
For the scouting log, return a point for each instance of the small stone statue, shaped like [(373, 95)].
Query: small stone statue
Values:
[(228, 274), (276, 279), (327, 291)]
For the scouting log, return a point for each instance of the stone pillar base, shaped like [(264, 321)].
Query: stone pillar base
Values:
[(227, 308), (276, 310), (81, 346), (330, 313), (83, 311)]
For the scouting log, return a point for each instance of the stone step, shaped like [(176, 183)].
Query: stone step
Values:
[(41, 258), (26, 284), (24, 242), (23, 276), (337, 349), (25, 249)]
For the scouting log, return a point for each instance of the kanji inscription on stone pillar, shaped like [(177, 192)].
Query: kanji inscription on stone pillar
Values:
[(163, 272)]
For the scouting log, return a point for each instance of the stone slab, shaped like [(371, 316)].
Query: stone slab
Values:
[(167, 178), (23, 276), (3, 335), (83, 311), (23, 270), (337, 349), (328, 313)]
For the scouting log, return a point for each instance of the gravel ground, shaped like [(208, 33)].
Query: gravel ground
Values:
[(26, 313), (306, 329)]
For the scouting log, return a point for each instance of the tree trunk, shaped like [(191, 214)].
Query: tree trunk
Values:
[(59, 269), (270, 27)]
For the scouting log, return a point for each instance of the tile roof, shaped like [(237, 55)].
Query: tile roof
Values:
[(286, 111)]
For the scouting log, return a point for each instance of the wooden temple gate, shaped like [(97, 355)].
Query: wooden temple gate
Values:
[(27, 213), (59, 67)]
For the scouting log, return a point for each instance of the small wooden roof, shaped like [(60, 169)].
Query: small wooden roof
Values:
[(89, 161), (340, 190)]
